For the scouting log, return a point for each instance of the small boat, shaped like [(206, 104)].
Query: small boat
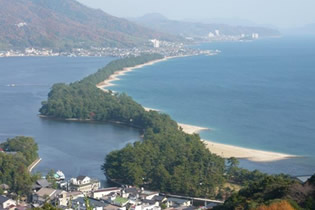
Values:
[(59, 175)]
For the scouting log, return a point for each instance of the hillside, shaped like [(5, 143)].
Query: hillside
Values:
[(277, 192), (158, 22), (65, 24)]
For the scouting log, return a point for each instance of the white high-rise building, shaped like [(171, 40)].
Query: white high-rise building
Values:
[(211, 35), (156, 43), (217, 32), (255, 35)]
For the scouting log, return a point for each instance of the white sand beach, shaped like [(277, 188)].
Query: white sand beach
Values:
[(114, 77), (223, 150), (227, 151), (191, 129)]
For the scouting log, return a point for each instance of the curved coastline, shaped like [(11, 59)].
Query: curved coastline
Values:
[(222, 150), (114, 77)]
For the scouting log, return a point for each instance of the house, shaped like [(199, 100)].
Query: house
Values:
[(74, 195), (120, 201), (84, 184), (176, 202), (83, 180), (132, 193), (41, 183), (7, 203), (145, 194), (98, 194), (58, 197), (159, 198), (146, 207), (80, 203)]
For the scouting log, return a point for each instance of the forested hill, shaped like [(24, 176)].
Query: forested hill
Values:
[(64, 24), (167, 159), (18, 153), (274, 193), (83, 100)]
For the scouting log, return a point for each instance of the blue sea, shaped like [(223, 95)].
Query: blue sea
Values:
[(256, 95), (73, 147)]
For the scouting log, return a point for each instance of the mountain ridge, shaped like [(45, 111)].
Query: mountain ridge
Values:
[(66, 24), (197, 29)]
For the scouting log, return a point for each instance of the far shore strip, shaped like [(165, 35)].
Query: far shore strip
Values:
[(222, 150)]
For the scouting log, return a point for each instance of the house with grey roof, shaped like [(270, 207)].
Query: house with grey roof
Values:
[(80, 203), (41, 183), (57, 197), (177, 202), (6, 202), (100, 193)]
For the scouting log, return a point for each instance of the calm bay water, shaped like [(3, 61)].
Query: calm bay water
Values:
[(75, 148), (254, 94)]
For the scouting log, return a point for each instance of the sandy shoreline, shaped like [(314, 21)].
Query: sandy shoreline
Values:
[(223, 150), (227, 151), (114, 77), (191, 129)]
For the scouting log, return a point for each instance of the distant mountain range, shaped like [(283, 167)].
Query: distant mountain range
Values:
[(65, 24), (158, 22)]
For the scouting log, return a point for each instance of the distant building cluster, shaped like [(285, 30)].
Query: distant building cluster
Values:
[(217, 36), (153, 46)]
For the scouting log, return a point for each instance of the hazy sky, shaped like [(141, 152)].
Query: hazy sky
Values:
[(281, 13)]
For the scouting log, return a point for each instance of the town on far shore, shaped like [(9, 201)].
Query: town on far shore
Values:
[(82, 192), (150, 47)]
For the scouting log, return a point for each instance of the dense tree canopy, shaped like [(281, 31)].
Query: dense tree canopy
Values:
[(19, 153), (273, 192), (167, 159)]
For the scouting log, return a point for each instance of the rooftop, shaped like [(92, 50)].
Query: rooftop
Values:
[(3, 199), (45, 191), (107, 189), (177, 200), (81, 177), (119, 200)]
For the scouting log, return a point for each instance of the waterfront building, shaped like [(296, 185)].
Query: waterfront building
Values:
[(84, 184)]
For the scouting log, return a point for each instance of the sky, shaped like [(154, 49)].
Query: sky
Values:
[(279, 13)]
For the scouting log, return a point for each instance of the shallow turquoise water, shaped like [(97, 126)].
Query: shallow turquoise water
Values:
[(254, 94)]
